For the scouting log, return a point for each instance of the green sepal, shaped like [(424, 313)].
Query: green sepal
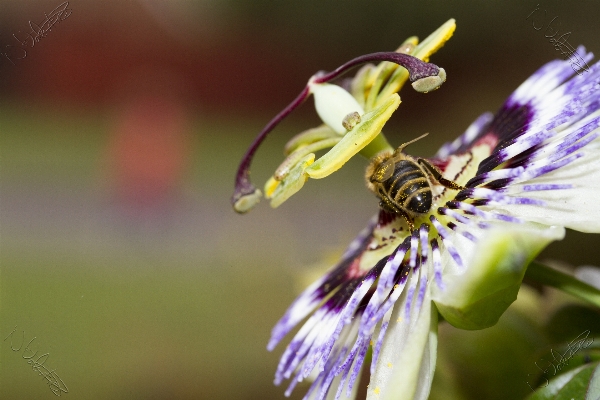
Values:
[(477, 297)]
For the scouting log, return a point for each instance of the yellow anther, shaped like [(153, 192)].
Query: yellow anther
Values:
[(308, 137), (292, 183), (290, 162), (355, 140)]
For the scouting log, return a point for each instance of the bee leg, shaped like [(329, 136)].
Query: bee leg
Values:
[(409, 221), (438, 176), (388, 206)]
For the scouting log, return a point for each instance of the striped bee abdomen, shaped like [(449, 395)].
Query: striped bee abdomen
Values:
[(403, 183), (408, 187)]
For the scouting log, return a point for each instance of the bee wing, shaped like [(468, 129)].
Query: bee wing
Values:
[(383, 172)]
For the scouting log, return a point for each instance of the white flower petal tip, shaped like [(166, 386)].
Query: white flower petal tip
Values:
[(246, 202), (407, 364), (430, 83), (476, 298), (589, 274), (333, 104)]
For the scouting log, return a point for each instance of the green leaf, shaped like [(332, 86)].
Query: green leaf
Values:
[(567, 283), (550, 388), (582, 383), (576, 388), (593, 391)]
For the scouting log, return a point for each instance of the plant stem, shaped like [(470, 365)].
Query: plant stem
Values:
[(567, 283)]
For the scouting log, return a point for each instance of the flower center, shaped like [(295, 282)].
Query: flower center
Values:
[(392, 228)]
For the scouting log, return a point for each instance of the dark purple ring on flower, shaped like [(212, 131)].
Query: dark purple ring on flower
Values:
[(424, 77)]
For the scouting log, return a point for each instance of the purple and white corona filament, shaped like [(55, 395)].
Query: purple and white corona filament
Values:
[(525, 174)]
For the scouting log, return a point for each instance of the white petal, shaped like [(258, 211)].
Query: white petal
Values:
[(429, 361), (589, 274), (333, 103), (407, 359), (576, 208)]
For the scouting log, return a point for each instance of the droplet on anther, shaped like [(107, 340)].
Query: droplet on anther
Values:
[(406, 48), (430, 83), (351, 120)]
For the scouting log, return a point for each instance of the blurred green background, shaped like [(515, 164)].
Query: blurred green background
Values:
[(120, 134)]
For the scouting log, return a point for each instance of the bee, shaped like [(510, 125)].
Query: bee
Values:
[(403, 183)]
